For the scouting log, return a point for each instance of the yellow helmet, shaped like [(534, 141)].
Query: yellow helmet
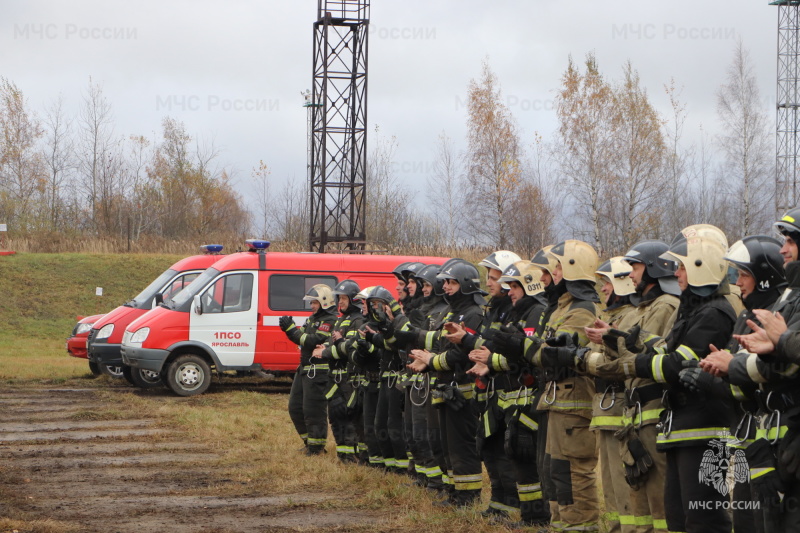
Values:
[(321, 293), (617, 270), (526, 274), (707, 231), (542, 259), (702, 254), (578, 259)]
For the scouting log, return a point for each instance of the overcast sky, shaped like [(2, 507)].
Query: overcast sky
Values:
[(234, 70)]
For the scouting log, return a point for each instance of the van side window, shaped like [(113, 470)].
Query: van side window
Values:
[(178, 284), (286, 291), (229, 294)]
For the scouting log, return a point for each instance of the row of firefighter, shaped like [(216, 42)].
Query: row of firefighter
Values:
[(651, 371)]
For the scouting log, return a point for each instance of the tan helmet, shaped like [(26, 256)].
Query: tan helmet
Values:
[(617, 270), (526, 274), (702, 254), (707, 231), (542, 259), (578, 259), (321, 293)]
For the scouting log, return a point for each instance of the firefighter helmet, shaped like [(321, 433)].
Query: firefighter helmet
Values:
[(759, 255), (617, 271), (706, 231), (410, 269), (428, 273), (398, 270), (789, 224), (543, 260), (500, 260), (321, 293), (528, 275), (578, 259), (347, 287), (465, 274), (702, 255)]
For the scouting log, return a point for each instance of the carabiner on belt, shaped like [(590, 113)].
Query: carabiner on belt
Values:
[(774, 421), (337, 376), (745, 423), (550, 384), (312, 372), (603, 398)]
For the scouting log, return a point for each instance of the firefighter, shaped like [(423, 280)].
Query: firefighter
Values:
[(382, 310), (343, 394), (761, 280), (693, 426), (426, 430), (458, 416), (609, 400), (307, 402), (491, 425), (517, 389), (366, 359), (655, 302), (571, 448), (772, 364)]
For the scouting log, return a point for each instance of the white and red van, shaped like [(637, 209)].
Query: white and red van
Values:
[(105, 337), (227, 319)]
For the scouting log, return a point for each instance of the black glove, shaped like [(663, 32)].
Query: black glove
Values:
[(764, 478), (563, 339), (508, 344), (694, 378), (369, 335), (286, 323), (337, 406), (453, 398), (388, 330), (789, 452), (631, 339), (520, 444), (640, 463), (558, 357), (363, 346), (406, 337)]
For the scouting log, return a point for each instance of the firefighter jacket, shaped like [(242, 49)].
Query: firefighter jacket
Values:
[(570, 392), (608, 404), (654, 314), (495, 315), (452, 360), (690, 418), (316, 331)]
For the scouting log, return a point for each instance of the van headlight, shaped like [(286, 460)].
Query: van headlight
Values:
[(139, 336), (83, 327), (105, 332)]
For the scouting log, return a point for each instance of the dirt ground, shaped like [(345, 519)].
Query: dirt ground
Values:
[(128, 476)]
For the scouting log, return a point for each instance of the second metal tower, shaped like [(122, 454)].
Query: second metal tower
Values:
[(788, 100)]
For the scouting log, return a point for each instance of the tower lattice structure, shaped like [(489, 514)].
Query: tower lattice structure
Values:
[(338, 154), (788, 100)]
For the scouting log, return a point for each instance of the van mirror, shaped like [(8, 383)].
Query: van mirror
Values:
[(197, 305), (159, 299)]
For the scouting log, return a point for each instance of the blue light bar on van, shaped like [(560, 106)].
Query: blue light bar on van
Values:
[(211, 248), (257, 245)]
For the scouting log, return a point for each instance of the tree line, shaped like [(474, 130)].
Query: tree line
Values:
[(615, 171)]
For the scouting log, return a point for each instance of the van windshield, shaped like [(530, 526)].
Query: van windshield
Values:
[(182, 300), (144, 300)]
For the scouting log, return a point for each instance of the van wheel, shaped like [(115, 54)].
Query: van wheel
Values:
[(146, 379), (113, 371), (188, 375), (94, 368)]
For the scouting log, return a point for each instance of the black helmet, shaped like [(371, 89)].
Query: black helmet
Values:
[(398, 270), (379, 292), (761, 257), (789, 224), (657, 268), (429, 273), (410, 270), (347, 287), (465, 274)]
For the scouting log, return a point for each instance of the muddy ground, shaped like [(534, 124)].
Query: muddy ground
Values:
[(128, 476)]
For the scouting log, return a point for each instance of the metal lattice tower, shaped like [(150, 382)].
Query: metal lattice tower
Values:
[(788, 100), (338, 158)]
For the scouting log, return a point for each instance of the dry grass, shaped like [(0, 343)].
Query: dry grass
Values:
[(35, 526)]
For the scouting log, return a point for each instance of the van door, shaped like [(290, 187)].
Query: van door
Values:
[(228, 320), (282, 294)]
